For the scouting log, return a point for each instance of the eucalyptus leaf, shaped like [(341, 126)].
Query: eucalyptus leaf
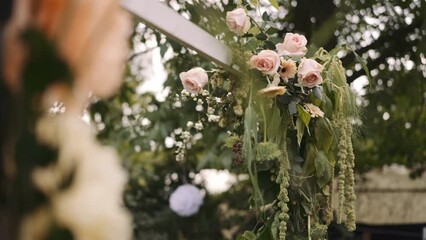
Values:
[(265, 16), (292, 108), (317, 92)]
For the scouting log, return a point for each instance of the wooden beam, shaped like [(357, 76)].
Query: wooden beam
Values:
[(160, 17)]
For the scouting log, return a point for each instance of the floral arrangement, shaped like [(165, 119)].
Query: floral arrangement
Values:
[(288, 112)]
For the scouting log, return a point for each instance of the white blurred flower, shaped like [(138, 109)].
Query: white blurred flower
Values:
[(199, 126), (83, 207), (214, 118), (186, 200), (189, 124), (210, 110), (205, 93)]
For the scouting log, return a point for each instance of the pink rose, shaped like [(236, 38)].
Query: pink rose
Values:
[(266, 61), (294, 45), (309, 73), (194, 80), (237, 21)]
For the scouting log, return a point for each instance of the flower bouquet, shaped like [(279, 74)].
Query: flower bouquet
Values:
[(289, 114)]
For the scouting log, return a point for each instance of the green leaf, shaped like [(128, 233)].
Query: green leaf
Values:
[(300, 127), (249, 142), (304, 115), (269, 45), (272, 30), (251, 44), (247, 235), (309, 164), (265, 16), (254, 30), (323, 169), (261, 36), (317, 92), (163, 49), (274, 3), (292, 108), (254, 2), (247, 35), (323, 134), (274, 126)]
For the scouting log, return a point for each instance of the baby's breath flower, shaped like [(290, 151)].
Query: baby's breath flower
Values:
[(210, 110), (213, 118), (189, 124), (199, 108), (199, 126)]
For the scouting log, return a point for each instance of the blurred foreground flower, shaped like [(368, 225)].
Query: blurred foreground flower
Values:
[(186, 200), (91, 207)]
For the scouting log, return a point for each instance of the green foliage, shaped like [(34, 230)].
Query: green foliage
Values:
[(266, 151)]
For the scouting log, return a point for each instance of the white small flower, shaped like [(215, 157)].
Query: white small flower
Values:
[(200, 101), (218, 100), (213, 118), (179, 144), (205, 93), (177, 104), (193, 95), (180, 156), (189, 124), (186, 200), (186, 135), (210, 110), (199, 126), (184, 93), (199, 108)]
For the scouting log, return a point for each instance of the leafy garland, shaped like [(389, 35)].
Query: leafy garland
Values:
[(298, 127)]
